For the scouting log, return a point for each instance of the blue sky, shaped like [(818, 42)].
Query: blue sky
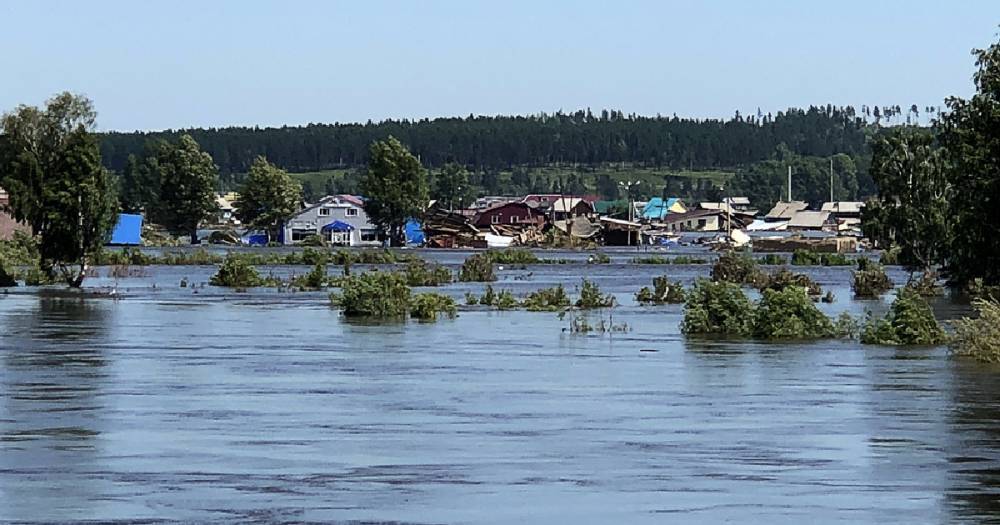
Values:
[(185, 63)]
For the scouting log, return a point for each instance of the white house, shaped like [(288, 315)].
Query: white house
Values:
[(340, 219)]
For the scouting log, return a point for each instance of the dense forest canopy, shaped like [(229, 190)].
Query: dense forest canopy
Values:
[(492, 147)]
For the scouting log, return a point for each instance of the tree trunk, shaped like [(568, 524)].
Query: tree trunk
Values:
[(194, 236), (77, 281)]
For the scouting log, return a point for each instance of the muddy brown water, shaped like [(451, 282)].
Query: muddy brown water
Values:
[(200, 404)]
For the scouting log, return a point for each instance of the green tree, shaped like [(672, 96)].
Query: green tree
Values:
[(970, 132), (51, 166), (187, 178), (137, 187), (396, 187), (451, 185), (912, 209), (268, 196)]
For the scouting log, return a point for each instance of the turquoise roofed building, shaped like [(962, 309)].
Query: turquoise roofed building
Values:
[(658, 208)]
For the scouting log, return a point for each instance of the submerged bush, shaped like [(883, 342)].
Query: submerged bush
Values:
[(547, 299), (664, 291), (977, 289), (717, 308), (427, 306), (236, 272), (739, 268), (591, 297), (870, 279), (890, 257), (773, 259), (811, 258), (784, 278), (477, 268), (979, 338), (314, 280), (422, 273), (789, 313), (909, 321), (659, 259), (374, 294), (926, 284), (505, 300), (513, 256)]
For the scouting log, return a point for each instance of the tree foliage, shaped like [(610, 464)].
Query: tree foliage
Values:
[(913, 206), (185, 178), (396, 187), (51, 167), (970, 134), (268, 197), (451, 186)]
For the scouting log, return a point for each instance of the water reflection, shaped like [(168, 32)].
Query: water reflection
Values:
[(974, 451), (52, 371)]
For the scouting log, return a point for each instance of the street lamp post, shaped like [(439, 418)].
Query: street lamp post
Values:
[(627, 185)]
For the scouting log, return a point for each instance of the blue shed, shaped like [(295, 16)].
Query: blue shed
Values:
[(414, 232), (128, 231)]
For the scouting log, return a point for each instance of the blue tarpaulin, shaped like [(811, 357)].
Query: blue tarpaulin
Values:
[(338, 226), (414, 232), (128, 230), (255, 239)]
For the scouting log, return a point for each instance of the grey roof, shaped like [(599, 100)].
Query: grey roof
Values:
[(843, 206), (785, 210), (809, 219)]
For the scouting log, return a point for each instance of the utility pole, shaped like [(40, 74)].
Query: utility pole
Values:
[(789, 183), (831, 179)]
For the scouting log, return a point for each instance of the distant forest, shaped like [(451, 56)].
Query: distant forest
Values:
[(749, 147)]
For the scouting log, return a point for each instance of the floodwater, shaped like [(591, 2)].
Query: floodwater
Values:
[(200, 404)]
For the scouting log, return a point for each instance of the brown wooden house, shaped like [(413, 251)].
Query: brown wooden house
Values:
[(511, 213)]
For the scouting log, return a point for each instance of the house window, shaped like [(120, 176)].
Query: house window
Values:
[(494, 219), (300, 235), (324, 212), (352, 212), (369, 235), (513, 219)]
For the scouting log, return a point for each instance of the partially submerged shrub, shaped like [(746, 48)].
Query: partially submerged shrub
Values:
[(811, 258), (977, 289), (789, 313), (314, 280), (581, 325), (375, 294), (591, 297), (547, 299), (659, 259), (926, 284), (422, 273), (505, 301), (489, 297), (478, 268), (513, 256), (664, 291), (890, 257), (717, 308), (870, 279), (909, 321), (773, 259), (979, 338), (236, 272), (784, 278), (427, 306), (735, 267), (471, 299)]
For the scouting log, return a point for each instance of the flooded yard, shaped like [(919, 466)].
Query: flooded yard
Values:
[(200, 404)]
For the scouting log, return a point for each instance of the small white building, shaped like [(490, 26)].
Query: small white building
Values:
[(340, 219)]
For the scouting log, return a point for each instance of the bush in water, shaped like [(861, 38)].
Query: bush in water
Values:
[(909, 321), (783, 278), (739, 268), (979, 338), (478, 268), (236, 272), (664, 291), (383, 295), (422, 273), (870, 279), (789, 313), (427, 306), (547, 299), (717, 308), (591, 297)]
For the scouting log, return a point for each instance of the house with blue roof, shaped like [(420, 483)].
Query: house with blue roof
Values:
[(657, 208)]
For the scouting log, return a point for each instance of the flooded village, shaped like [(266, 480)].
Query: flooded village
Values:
[(341, 262)]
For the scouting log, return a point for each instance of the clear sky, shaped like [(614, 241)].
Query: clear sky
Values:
[(152, 64)]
